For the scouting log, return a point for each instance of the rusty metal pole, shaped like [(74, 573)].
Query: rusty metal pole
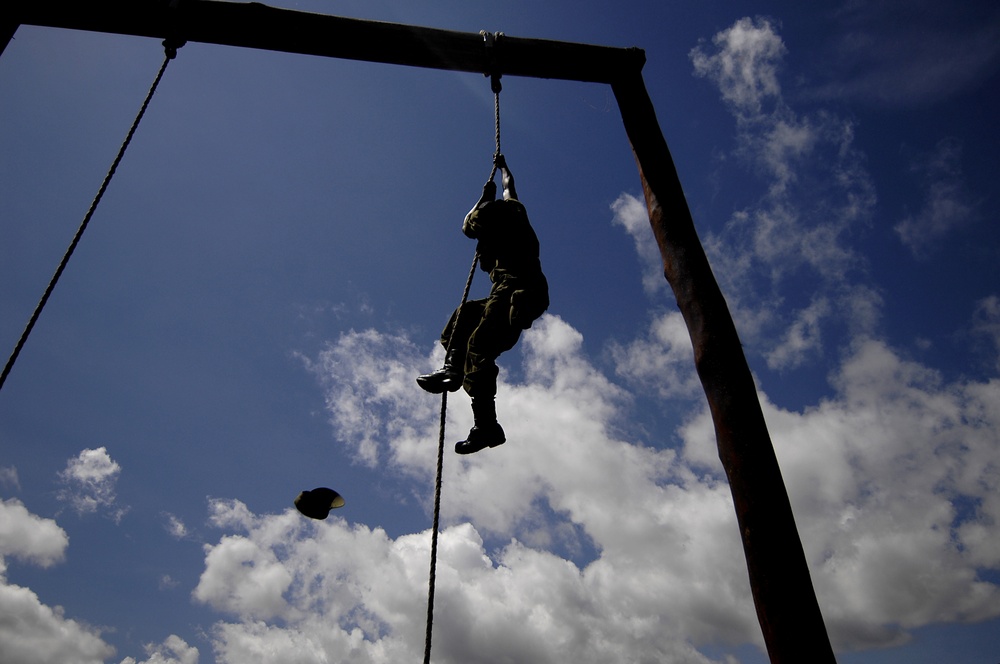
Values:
[(787, 609)]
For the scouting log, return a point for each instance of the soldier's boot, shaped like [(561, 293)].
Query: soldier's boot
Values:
[(446, 379), (487, 432)]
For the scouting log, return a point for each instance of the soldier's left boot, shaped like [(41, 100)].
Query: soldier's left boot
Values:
[(446, 379), (487, 432)]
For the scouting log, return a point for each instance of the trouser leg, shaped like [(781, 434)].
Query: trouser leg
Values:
[(494, 335), (455, 339), (461, 326)]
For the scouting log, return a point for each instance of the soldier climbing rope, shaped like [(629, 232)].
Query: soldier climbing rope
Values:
[(317, 503), (432, 576), (479, 331)]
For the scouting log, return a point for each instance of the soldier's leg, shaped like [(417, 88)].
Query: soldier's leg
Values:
[(457, 332), (493, 336)]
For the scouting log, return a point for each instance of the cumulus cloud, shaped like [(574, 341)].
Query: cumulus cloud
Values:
[(174, 650), (359, 596), (559, 485), (882, 477), (662, 361), (43, 635), (605, 547), (947, 205), (29, 537), (89, 483), (31, 632), (630, 213)]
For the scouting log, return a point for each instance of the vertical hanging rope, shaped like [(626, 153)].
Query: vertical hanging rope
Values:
[(170, 48), (496, 87), (493, 41), (496, 112), (437, 481)]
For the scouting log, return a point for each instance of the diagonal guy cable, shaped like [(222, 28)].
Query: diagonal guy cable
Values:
[(170, 48)]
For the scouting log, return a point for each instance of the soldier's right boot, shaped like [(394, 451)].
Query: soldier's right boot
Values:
[(487, 432)]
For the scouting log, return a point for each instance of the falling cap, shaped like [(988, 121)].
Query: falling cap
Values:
[(316, 504)]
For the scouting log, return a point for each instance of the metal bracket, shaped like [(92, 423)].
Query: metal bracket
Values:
[(492, 42)]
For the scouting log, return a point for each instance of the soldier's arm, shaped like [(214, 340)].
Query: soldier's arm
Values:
[(489, 194), (508, 179)]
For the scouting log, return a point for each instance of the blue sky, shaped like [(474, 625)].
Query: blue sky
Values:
[(274, 260)]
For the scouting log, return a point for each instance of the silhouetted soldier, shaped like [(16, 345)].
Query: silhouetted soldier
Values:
[(483, 329)]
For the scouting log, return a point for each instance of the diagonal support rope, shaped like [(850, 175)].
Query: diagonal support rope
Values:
[(170, 48), (437, 481)]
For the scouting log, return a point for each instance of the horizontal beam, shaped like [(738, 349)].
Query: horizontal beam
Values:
[(254, 25)]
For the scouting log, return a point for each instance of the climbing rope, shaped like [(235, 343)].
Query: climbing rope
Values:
[(492, 41), (496, 113), (170, 52), (437, 481), (494, 74)]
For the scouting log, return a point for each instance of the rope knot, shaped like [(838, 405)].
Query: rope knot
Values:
[(170, 46)]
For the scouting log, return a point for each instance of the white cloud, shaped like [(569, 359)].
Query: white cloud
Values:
[(29, 537), (631, 214), (802, 338), (175, 526), (744, 64), (947, 204), (167, 582), (881, 479), (90, 479), (31, 632), (561, 469), (388, 383), (817, 192), (9, 479), (663, 361), (893, 481), (359, 596), (174, 650), (242, 578)]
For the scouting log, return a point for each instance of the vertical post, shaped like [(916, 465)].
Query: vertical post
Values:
[(786, 604)]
